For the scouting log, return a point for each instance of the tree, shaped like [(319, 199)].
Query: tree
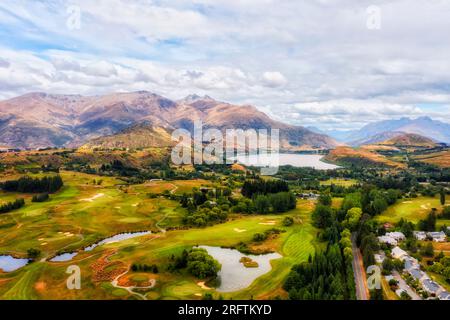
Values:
[(352, 218), (428, 250), (33, 254), (442, 196), (201, 265), (262, 204), (429, 223), (325, 199), (322, 216)]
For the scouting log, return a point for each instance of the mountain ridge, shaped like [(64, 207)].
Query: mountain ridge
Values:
[(37, 120)]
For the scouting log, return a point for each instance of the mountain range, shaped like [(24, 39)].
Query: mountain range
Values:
[(39, 120), (383, 130)]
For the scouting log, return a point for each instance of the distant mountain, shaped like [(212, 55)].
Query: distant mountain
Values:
[(376, 138), (410, 140), (41, 120), (424, 126)]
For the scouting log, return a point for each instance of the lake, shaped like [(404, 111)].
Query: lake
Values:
[(284, 159), (117, 238), (9, 263), (233, 275)]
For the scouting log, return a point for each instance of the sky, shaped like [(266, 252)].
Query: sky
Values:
[(331, 64)]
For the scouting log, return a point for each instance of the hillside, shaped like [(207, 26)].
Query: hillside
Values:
[(410, 140), (359, 157), (440, 159), (41, 120), (142, 135)]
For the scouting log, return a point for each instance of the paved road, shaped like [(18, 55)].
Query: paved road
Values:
[(403, 285), (362, 292)]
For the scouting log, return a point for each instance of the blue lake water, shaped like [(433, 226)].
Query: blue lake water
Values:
[(9, 263), (284, 159)]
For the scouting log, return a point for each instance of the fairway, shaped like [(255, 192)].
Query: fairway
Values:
[(413, 209), (339, 182)]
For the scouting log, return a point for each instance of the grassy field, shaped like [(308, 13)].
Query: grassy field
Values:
[(339, 182), (413, 209), (85, 211)]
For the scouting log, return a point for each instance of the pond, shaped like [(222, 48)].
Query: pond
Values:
[(284, 159), (117, 238), (9, 263), (64, 257), (234, 275)]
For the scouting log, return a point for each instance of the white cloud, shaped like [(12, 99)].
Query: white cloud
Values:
[(274, 79), (304, 61)]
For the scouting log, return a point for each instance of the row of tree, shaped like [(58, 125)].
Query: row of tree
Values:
[(259, 186), (48, 184), (10, 206)]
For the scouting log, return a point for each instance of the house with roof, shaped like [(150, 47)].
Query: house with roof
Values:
[(387, 240), (420, 235), (411, 263), (444, 295), (399, 236), (439, 236), (379, 257), (431, 287), (398, 253), (418, 274)]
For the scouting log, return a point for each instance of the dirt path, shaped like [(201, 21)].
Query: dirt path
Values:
[(115, 283)]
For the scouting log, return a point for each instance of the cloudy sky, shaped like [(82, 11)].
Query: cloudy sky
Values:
[(333, 64)]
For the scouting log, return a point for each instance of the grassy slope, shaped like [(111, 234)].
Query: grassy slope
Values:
[(412, 210)]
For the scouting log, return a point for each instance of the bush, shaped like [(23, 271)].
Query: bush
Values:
[(288, 221), (40, 197), (259, 237)]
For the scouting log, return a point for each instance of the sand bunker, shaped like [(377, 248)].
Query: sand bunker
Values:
[(424, 207), (135, 205), (239, 230), (268, 223), (203, 286), (98, 195), (407, 202)]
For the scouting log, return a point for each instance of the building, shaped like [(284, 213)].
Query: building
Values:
[(398, 253), (411, 263), (388, 240), (438, 236), (444, 295), (420, 235), (431, 287), (399, 236), (418, 274), (379, 257)]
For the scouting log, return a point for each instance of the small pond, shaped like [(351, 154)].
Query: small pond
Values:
[(9, 263), (117, 238), (234, 275)]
